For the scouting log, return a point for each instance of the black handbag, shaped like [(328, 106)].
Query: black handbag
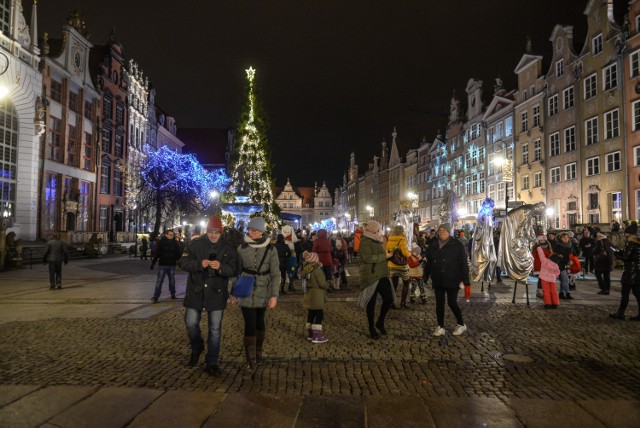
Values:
[(397, 258)]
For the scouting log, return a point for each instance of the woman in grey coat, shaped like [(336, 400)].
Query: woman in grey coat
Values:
[(265, 291)]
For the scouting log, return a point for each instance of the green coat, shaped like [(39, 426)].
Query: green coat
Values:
[(267, 285), (316, 295), (373, 262)]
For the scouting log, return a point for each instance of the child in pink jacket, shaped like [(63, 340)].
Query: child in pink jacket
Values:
[(549, 272)]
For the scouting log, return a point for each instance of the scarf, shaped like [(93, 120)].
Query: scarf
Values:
[(258, 243)]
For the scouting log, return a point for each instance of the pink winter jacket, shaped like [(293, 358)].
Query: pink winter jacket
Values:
[(549, 270)]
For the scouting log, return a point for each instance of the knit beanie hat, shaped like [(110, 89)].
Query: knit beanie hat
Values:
[(540, 238), (445, 226), (214, 224), (372, 230), (310, 257), (257, 223)]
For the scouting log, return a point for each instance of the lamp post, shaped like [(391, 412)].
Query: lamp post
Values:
[(370, 210), (549, 211)]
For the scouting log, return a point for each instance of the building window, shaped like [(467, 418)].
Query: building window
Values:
[(5, 15), (559, 67), (8, 158), (537, 179), (119, 114), (615, 206), (590, 86), (570, 139), (591, 131), (107, 106), (84, 204), (72, 147), (55, 142), (610, 77), (56, 90), (87, 155), (508, 126), (87, 109), (51, 203), (536, 116), (613, 162), (553, 105), (635, 108), (106, 139), (104, 218), (612, 124), (117, 181), (554, 144), (555, 174), (636, 157), (634, 65), (596, 44), (105, 176), (492, 191), (593, 166), (74, 102), (537, 151), (525, 182), (593, 201), (524, 121), (567, 98), (570, 171), (525, 154), (119, 147), (637, 203)]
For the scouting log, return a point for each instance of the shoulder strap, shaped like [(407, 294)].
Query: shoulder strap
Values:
[(264, 256)]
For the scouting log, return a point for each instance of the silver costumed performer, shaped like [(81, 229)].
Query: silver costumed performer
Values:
[(483, 252), (516, 236)]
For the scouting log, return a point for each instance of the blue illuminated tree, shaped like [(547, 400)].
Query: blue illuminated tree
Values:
[(172, 183)]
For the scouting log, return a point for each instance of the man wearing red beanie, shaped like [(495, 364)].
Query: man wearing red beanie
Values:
[(211, 261)]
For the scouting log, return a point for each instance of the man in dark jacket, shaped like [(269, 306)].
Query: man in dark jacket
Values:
[(448, 267), (587, 245), (211, 261), (56, 254), (630, 280), (167, 254)]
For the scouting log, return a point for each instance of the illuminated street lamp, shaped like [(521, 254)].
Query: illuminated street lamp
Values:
[(370, 210), (550, 212), (507, 177)]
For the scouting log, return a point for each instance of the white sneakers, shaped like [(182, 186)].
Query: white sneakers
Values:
[(439, 331), (459, 330)]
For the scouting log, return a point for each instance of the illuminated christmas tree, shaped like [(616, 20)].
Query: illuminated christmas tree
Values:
[(251, 171)]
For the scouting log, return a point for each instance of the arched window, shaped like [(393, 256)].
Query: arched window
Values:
[(8, 158)]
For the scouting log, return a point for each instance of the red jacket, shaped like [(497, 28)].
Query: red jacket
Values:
[(536, 257), (322, 246)]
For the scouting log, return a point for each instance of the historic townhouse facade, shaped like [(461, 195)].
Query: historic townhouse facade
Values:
[(22, 121), (600, 71), (69, 172), (563, 143), (529, 130), (499, 149), (383, 188), (352, 191), (422, 185), (109, 63), (632, 108), (396, 177)]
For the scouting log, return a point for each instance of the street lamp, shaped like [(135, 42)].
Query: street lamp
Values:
[(370, 210), (549, 211)]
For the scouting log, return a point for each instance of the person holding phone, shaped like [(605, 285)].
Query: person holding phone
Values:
[(211, 261)]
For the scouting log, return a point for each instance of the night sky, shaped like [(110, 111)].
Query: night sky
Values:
[(335, 76)]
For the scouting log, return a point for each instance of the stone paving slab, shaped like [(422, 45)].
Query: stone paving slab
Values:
[(472, 412), (407, 412), (109, 407), (331, 410), (543, 413), (179, 409), (256, 410), (41, 405), (36, 312), (10, 393), (614, 413)]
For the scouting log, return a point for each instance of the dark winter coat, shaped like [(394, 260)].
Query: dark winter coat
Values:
[(373, 262), (315, 296), (284, 252), (167, 252), (56, 251), (206, 288), (630, 255), (587, 245), (603, 256), (563, 250), (447, 266), (322, 246)]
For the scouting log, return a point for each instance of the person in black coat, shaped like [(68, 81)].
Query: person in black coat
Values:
[(603, 262), (167, 254), (563, 248), (587, 245), (447, 266), (210, 261), (630, 280), (284, 252)]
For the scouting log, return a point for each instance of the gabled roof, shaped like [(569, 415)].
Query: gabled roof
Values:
[(525, 61), (497, 103), (437, 143)]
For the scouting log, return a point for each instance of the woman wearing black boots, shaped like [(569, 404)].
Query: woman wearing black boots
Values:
[(374, 277), (630, 255)]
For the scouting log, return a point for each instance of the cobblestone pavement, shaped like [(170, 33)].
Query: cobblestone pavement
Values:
[(101, 331)]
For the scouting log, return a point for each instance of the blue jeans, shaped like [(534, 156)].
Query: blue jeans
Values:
[(564, 281), (170, 271), (55, 273), (192, 321)]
